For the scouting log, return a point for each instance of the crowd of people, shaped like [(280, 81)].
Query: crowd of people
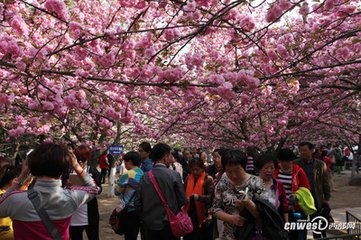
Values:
[(226, 197), (227, 194)]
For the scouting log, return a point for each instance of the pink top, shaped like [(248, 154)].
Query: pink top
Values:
[(37, 230)]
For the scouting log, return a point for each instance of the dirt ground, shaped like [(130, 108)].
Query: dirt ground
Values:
[(345, 196)]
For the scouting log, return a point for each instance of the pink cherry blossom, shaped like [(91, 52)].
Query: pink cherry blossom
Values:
[(169, 34), (6, 99), (57, 7), (17, 132), (273, 13), (107, 60), (19, 25), (48, 106), (342, 53), (75, 30), (304, 9)]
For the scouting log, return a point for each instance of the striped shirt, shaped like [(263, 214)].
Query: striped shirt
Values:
[(250, 165), (286, 179)]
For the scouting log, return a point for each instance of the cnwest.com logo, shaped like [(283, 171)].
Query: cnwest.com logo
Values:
[(318, 224)]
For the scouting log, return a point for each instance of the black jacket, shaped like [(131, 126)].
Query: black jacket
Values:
[(93, 210), (148, 203), (272, 223)]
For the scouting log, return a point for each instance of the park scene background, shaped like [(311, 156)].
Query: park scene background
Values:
[(255, 75)]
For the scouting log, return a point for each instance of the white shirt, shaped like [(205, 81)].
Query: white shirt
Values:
[(80, 217), (178, 168)]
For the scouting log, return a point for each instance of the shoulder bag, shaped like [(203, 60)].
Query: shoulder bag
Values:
[(181, 224)]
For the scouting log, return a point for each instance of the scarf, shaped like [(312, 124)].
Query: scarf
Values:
[(198, 189)]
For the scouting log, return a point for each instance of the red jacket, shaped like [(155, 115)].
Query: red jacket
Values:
[(328, 161), (103, 161), (282, 205), (299, 178)]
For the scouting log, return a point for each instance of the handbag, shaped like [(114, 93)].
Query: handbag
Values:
[(36, 201), (181, 224), (117, 218)]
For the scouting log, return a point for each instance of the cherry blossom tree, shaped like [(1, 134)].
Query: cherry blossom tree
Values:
[(203, 72)]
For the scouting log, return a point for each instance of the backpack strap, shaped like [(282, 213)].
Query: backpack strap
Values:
[(170, 214), (35, 200)]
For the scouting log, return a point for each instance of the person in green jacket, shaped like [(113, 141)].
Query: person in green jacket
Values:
[(317, 175)]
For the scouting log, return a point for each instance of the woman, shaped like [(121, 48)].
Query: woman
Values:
[(175, 165), (6, 225), (215, 170), (87, 216), (104, 165), (127, 185), (199, 193), (203, 156), (234, 192), (148, 203), (274, 188), (218, 171), (47, 163)]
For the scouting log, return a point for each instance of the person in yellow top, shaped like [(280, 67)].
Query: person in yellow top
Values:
[(6, 225)]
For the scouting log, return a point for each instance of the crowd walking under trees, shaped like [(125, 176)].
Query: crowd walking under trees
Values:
[(242, 83), (222, 200)]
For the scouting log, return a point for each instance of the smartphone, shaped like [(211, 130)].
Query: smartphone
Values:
[(245, 194)]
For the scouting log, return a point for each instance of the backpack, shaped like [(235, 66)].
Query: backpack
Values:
[(117, 218)]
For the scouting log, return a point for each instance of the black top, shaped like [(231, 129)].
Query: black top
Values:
[(111, 160)]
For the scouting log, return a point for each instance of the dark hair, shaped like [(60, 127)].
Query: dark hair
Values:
[(134, 157), (159, 151), (146, 146), (234, 157), (286, 155), (324, 152), (196, 161), (221, 151), (265, 158), (48, 159), (11, 173), (83, 153), (308, 144), (176, 155), (3, 169)]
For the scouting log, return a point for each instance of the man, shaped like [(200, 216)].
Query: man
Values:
[(187, 156), (317, 176), (146, 165), (147, 201), (144, 152)]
